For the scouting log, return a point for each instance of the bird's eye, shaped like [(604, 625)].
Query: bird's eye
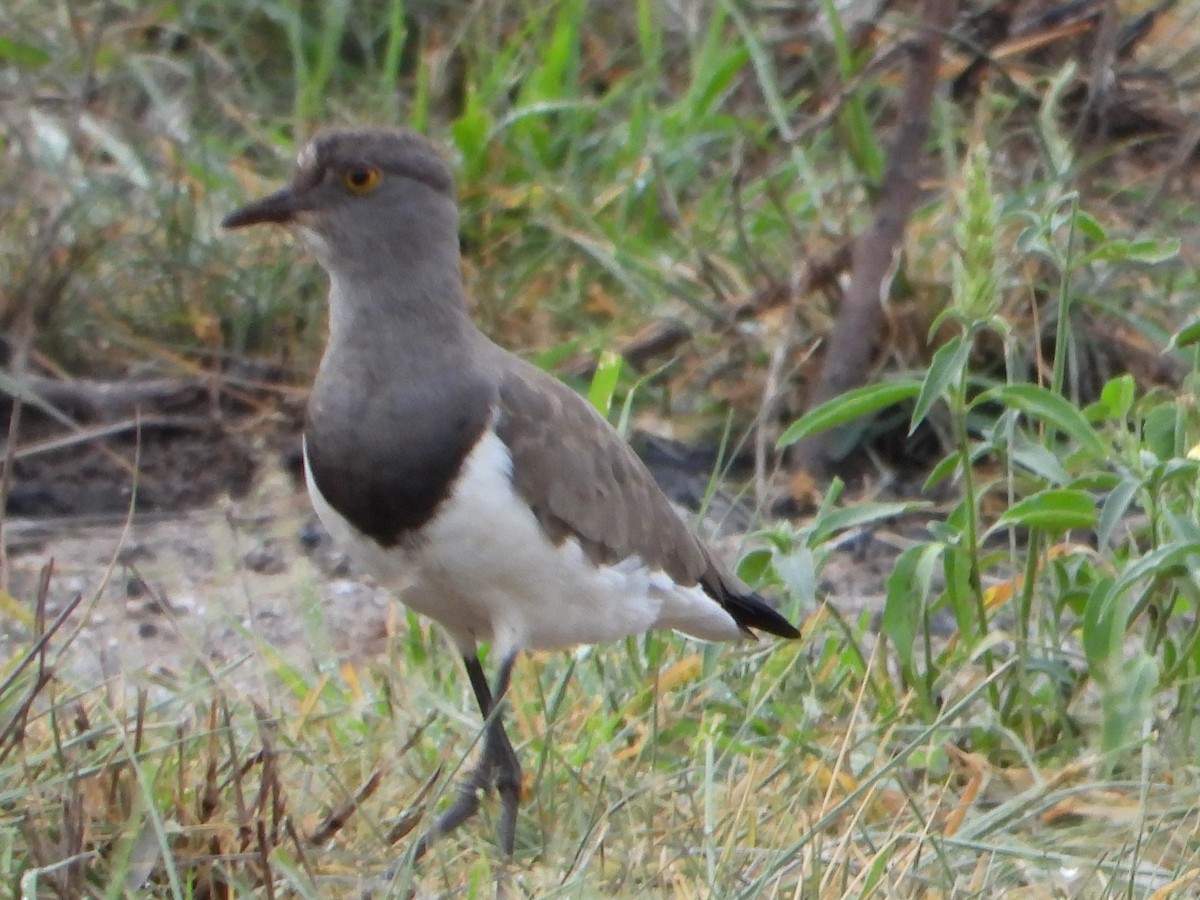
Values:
[(361, 179)]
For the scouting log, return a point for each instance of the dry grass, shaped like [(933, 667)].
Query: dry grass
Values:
[(617, 167), (664, 769)]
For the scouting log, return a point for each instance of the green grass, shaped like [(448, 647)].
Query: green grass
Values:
[(617, 164), (663, 770)]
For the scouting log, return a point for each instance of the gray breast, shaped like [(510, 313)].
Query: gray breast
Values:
[(387, 461)]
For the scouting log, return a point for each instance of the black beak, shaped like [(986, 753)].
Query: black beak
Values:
[(279, 208)]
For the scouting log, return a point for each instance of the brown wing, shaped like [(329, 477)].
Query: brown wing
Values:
[(583, 481)]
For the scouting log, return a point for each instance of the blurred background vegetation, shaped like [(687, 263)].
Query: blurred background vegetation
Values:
[(618, 164), (679, 182)]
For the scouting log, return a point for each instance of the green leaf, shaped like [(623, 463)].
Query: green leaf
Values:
[(604, 381), (1128, 703), (946, 368), (847, 517), (553, 357), (1038, 459), (1184, 468), (1113, 511), (1051, 408), (1175, 554), (1094, 482), (649, 32), (1146, 252), (854, 119), (22, 54), (754, 566), (1181, 525), (946, 466), (908, 590), (797, 569), (951, 464), (956, 568), (704, 94), (1159, 431), (1151, 252), (1102, 630), (849, 406), (470, 131), (713, 67), (1058, 147), (902, 609), (559, 57), (1118, 395), (1090, 227), (1054, 510), (1187, 335)]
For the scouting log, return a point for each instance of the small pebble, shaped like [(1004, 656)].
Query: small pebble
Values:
[(336, 565), (185, 603), (344, 588), (198, 557), (266, 559), (157, 606), (135, 553), (311, 535)]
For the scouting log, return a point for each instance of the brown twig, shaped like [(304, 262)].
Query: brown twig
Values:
[(266, 879), (103, 401), (1101, 81), (852, 343), (112, 429), (14, 728), (817, 274), (654, 339), (412, 815), (1185, 150), (22, 337), (341, 813)]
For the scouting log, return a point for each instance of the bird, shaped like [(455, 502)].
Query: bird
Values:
[(487, 494)]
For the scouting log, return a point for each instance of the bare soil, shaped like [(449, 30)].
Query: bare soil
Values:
[(198, 590), (224, 557)]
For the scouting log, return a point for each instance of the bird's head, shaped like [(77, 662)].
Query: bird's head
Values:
[(356, 194)]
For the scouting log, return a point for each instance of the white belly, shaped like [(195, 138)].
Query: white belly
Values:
[(483, 569)]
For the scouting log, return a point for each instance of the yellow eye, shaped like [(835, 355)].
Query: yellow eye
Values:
[(361, 179)]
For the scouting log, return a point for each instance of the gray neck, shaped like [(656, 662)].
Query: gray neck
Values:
[(395, 278), (401, 397), (407, 317), (397, 347)]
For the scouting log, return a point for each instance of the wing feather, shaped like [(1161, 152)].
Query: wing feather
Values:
[(583, 481)]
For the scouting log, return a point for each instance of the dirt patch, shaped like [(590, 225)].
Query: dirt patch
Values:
[(225, 562), (198, 592), (171, 468), (229, 587)]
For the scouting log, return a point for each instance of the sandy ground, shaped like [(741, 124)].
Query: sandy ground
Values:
[(211, 589)]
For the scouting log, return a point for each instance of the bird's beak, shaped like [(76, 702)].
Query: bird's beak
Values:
[(279, 208)]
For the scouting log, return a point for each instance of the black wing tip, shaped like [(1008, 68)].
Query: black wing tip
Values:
[(753, 613)]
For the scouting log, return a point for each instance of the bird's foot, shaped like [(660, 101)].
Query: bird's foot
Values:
[(465, 805)]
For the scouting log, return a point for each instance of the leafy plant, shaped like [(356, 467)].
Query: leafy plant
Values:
[(1064, 474)]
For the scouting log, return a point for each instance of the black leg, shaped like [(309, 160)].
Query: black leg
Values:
[(504, 761), (479, 684), (498, 765)]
